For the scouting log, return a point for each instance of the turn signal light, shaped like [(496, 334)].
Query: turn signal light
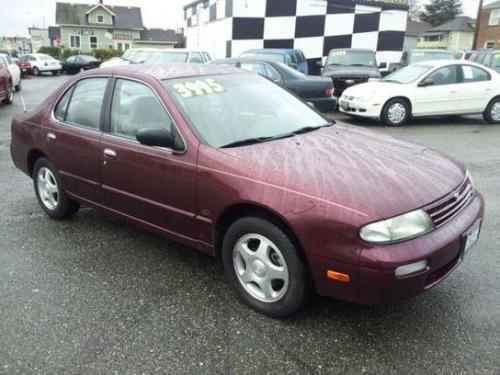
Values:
[(337, 276)]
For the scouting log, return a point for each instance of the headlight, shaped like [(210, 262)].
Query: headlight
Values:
[(399, 228)]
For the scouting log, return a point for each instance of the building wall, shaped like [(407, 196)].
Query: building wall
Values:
[(104, 38), (315, 26), (107, 17), (410, 42), (454, 41), (152, 44), (486, 32), (39, 38)]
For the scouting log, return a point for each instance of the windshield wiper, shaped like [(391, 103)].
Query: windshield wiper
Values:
[(307, 129), (250, 141), (335, 64), (361, 65), (391, 80)]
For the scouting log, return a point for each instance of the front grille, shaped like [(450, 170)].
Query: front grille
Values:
[(448, 207), (340, 84)]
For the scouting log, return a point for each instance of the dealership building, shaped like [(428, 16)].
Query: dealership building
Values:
[(225, 28)]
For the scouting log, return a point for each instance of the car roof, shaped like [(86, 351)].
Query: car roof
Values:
[(273, 50), (167, 71), (430, 50), (440, 63)]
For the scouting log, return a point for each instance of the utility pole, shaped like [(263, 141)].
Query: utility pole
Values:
[(478, 24)]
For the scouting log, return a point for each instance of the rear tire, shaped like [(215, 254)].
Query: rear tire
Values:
[(265, 268), (492, 112), (396, 112), (10, 95), (49, 190)]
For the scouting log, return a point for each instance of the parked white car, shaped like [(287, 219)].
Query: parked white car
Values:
[(158, 56), (14, 70), (432, 88), (41, 63)]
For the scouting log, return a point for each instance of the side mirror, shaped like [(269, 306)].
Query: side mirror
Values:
[(158, 137), (426, 82), (382, 65), (319, 63)]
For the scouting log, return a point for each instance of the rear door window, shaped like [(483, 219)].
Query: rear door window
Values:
[(474, 74), (196, 58), (86, 103), (254, 67)]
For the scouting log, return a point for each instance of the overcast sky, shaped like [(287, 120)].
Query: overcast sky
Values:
[(18, 15)]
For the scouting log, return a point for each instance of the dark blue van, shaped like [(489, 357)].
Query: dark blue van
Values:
[(292, 57)]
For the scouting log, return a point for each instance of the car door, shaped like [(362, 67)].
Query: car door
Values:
[(152, 185), (74, 135), (476, 89), (441, 95)]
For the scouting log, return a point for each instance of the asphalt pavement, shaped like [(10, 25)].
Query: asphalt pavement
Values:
[(96, 295)]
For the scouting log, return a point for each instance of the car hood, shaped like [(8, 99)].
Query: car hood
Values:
[(375, 86), (373, 174), (350, 71)]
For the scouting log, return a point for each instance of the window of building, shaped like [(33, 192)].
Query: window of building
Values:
[(432, 38), (489, 44), (100, 19), (74, 41), (494, 17), (93, 41)]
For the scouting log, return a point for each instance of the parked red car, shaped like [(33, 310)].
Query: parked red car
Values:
[(6, 86), (24, 65), (231, 164)]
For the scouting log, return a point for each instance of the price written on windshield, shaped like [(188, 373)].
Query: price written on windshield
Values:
[(198, 88)]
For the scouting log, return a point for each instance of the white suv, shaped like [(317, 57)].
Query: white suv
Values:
[(43, 63)]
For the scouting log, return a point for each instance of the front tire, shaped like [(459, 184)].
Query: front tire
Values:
[(19, 87), (492, 112), (396, 112), (36, 71), (50, 193), (10, 95), (265, 268)]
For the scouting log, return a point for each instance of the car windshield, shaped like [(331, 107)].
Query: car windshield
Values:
[(408, 74), (227, 111), (419, 56), (166, 57), (352, 58), (276, 57), (496, 61), (134, 56)]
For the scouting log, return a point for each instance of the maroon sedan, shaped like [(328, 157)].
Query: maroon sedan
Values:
[(231, 164)]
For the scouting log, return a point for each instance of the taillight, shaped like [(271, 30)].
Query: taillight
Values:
[(329, 91)]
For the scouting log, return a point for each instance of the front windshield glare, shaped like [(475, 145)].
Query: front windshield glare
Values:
[(167, 57), (408, 74), (225, 109), (351, 58), (430, 56)]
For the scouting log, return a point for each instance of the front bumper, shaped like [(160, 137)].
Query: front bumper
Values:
[(373, 280), (359, 108)]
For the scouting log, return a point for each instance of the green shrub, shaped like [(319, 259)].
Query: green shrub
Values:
[(51, 51), (104, 54), (65, 53)]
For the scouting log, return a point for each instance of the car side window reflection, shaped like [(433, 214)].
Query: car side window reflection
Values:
[(86, 103), (60, 110), (474, 74), (136, 107), (446, 75)]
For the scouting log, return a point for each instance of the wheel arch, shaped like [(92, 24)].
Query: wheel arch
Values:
[(402, 97), (245, 209), (33, 156)]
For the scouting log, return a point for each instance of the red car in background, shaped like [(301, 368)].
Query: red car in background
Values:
[(24, 65), (6, 86), (231, 164)]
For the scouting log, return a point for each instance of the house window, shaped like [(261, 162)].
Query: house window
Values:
[(93, 42), (74, 41), (489, 44), (494, 17), (100, 19)]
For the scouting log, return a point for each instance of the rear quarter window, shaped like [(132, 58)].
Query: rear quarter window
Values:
[(86, 103)]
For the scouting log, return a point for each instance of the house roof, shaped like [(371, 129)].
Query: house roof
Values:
[(415, 28), (461, 23), (160, 35), (76, 14), (494, 5)]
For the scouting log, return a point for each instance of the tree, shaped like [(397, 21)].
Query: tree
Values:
[(415, 10), (438, 12)]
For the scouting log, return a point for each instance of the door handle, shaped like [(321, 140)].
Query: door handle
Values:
[(453, 92), (51, 137), (109, 153)]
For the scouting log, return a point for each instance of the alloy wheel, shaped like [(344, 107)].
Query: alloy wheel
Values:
[(495, 111), (396, 113), (47, 188), (260, 268)]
